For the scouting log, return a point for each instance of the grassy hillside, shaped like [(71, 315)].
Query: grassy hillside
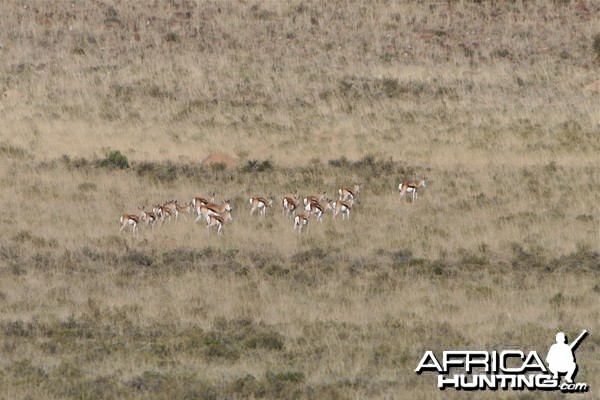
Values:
[(111, 106)]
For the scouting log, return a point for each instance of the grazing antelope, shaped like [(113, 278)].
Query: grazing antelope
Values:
[(340, 206), (301, 221), (187, 209), (315, 208), (260, 203), (218, 221), (130, 219), (148, 216), (311, 198), (290, 204), (411, 186), (346, 193), (201, 201), (213, 209)]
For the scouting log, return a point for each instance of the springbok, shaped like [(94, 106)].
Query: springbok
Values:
[(343, 207), (213, 209), (130, 219), (201, 201), (290, 204), (148, 216), (163, 211), (301, 221), (346, 193), (316, 208), (179, 209), (311, 198), (411, 186), (218, 221), (260, 203)]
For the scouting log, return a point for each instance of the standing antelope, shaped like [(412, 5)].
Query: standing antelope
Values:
[(301, 221), (213, 209), (290, 204), (340, 206), (218, 221), (201, 201), (163, 211), (311, 198), (346, 193), (171, 205), (411, 186), (315, 208), (187, 209), (148, 216), (130, 219), (260, 203)]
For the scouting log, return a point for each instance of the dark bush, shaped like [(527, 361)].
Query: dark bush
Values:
[(401, 258), (257, 166), (501, 53), (138, 258), (596, 44), (216, 348), (148, 381), (172, 37), (9, 150), (269, 341), (162, 172), (18, 328), (339, 163), (277, 271)]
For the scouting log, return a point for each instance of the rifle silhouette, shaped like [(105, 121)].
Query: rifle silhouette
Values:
[(575, 342)]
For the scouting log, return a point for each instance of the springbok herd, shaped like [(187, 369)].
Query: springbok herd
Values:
[(300, 209)]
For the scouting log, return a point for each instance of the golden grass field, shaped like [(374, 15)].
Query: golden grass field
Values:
[(108, 106)]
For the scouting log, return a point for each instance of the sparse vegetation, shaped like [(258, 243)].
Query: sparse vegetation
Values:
[(483, 98)]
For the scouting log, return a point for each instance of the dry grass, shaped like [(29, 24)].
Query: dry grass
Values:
[(485, 99)]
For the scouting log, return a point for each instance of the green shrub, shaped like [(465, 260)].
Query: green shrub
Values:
[(115, 159), (290, 376)]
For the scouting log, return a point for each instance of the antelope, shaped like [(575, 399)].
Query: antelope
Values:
[(260, 203), (317, 209), (183, 209), (346, 193), (201, 201), (213, 209), (301, 221), (290, 204), (171, 205), (218, 221), (163, 212), (411, 186), (130, 219), (311, 198), (341, 206), (148, 216)]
